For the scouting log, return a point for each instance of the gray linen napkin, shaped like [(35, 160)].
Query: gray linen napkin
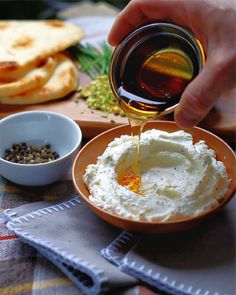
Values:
[(70, 236), (201, 261)]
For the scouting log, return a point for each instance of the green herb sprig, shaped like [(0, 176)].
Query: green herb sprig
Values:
[(93, 60)]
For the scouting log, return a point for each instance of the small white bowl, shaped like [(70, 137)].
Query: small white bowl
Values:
[(39, 128)]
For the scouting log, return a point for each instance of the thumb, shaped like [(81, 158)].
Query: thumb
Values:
[(202, 93)]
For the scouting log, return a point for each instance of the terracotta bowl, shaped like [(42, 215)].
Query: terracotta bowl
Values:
[(89, 153)]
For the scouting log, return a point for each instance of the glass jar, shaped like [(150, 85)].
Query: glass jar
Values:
[(151, 68)]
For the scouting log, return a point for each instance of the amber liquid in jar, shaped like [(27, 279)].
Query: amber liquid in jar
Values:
[(153, 79)]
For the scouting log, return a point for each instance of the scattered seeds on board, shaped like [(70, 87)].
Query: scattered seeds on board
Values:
[(22, 153)]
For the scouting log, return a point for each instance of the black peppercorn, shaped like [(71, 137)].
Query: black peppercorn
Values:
[(23, 154)]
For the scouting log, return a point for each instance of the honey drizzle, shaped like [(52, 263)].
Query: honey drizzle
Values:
[(132, 178), (173, 70)]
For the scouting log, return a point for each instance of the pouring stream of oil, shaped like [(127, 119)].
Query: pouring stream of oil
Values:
[(163, 77)]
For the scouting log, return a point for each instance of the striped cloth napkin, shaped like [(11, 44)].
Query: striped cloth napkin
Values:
[(71, 237), (23, 270)]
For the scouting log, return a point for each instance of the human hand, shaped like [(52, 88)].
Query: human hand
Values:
[(213, 22)]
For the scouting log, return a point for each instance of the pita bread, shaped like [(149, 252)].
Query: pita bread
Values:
[(63, 81), (26, 43), (32, 79)]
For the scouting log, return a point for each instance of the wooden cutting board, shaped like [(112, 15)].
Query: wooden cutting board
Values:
[(221, 120)]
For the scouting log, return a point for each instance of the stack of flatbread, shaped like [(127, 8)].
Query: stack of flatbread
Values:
[(34, 67)]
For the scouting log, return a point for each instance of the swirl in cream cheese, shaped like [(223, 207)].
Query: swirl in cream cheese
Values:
[(179, 178)]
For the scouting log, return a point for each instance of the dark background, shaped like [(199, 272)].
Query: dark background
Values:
[(42, 9)]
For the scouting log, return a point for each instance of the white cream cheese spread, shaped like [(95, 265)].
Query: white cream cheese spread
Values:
[(178, 178)]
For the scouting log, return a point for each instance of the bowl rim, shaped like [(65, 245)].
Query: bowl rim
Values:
[(26, 113), (227, 197)]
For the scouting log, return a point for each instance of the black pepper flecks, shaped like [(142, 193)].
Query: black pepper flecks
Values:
[(28, 154)]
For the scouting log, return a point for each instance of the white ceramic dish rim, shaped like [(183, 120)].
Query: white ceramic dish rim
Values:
[(43, 112)]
